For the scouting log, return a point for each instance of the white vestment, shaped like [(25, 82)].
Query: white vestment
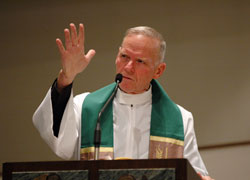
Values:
[(131, 115)]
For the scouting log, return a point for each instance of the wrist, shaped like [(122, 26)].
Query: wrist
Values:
[(63, 80)]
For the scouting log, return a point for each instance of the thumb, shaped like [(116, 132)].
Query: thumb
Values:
[(90, 54)]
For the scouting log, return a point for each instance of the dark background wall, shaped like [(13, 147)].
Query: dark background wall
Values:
[(207, 62)]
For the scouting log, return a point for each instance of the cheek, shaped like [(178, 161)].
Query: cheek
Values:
[(145, 75), (145, 72)]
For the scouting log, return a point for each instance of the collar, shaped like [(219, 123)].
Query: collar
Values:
[(125, 98)]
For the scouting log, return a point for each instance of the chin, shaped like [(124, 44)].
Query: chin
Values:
[(126, 89)]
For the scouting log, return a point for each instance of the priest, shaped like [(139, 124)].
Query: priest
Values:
[(141, 122)]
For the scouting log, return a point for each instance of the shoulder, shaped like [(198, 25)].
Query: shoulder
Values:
[(185, 113), (187, 118)]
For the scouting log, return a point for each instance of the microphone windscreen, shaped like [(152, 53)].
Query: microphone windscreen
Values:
[(118, 78)]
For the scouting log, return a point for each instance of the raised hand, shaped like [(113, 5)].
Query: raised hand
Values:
[(73, 57)]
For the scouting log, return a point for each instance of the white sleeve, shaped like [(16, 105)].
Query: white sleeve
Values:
[(190, 143), (66, 145)]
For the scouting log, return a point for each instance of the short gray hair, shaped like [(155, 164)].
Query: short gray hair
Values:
[(150, 32)]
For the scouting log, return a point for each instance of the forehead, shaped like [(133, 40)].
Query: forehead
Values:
[(141, 45)]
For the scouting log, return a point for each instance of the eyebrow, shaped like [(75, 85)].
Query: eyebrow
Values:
[(121, 50)]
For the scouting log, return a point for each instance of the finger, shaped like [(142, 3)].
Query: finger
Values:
[(81, 36), (73, 34), (60, 46), (68, 42), (90, 55), (199, 174)]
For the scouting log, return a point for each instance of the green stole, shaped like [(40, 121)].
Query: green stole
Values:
[(166, 130)]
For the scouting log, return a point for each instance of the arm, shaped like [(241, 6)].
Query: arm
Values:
[(59, 102), (63, 139), (64, 145), (190, 145)]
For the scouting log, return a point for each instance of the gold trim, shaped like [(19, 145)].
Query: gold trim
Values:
[(168, 140), (92, 149), (123, 158), (166, 153), (159, 152)]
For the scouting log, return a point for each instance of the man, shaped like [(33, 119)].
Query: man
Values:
[(142, 121)]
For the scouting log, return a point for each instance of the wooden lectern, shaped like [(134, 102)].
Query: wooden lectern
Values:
[(152, 169)]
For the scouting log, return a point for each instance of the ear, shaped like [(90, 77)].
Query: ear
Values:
[(159, 70)]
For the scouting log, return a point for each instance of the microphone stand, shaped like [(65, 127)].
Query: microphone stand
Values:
[(97, 138)]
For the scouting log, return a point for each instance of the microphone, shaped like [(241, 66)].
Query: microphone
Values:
[(118, 78), (97, 137)]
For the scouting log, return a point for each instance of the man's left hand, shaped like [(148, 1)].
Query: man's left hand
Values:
[(205, 177)]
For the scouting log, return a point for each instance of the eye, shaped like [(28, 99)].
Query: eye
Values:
[(124, 56), (140, 61)]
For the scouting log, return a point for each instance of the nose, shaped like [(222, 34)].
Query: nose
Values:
[(130, 67)]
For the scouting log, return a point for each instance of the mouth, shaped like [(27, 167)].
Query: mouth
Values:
[(125, 77)]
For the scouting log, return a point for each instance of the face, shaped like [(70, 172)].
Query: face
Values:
[(138, 62)]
